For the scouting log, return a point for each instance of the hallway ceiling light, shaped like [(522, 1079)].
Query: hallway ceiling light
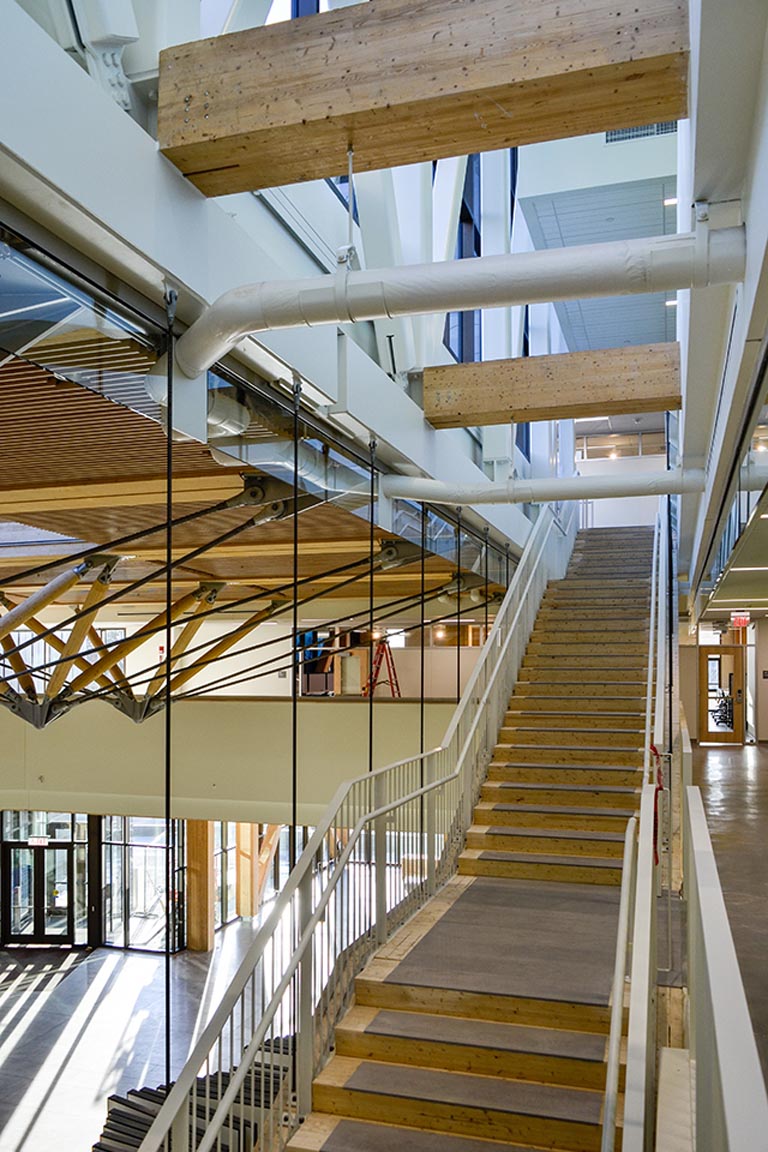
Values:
[(761, 568)]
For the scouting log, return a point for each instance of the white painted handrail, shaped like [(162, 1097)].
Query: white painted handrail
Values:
[(641, 1038), (730, 1096), (626, 899), (651, 651), (388, 839)]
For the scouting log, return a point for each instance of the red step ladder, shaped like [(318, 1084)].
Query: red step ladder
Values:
[(383, 653)]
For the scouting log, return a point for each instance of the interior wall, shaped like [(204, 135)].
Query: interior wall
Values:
[(231, 759), (628, 510), (689, 686)]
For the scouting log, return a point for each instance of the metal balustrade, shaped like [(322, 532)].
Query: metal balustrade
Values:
[(390, 838)]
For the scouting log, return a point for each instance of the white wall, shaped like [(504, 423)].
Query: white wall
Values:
[(588, 162), (231, 758), (629, 510)]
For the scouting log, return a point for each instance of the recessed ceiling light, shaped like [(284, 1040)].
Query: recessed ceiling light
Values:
[(670, 201), (760, 569)]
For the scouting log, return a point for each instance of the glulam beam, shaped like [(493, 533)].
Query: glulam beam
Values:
[(609, 382), (402, 81)]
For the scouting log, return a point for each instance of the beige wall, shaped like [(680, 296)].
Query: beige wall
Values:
[(231, 758), (689, 686)]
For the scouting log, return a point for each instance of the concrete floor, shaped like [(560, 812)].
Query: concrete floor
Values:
[(67, 1043), (734, 787)]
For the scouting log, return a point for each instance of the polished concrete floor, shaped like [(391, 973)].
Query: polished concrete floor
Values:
[(73, 1030), (734, 786)]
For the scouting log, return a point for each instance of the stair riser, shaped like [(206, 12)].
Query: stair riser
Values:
[(423, 1053), (533, 698), (457, 1119), (589, 661), (555, 845), (483, 1006), (555, 644), (614, 696), (493, 794), (524, 754), (564, 820), (629, 778), (605, 677), (564, 739), (515, 721), (550, 873)]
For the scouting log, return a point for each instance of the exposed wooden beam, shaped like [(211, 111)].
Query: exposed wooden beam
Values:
[(401, 82), (131, 643), (119, 494), (218, 650), (96, 593), (188, 633), (611, 382), (20, 667), (41, 598)]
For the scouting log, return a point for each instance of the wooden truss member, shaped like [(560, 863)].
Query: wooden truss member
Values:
[(58, 644), (116, 654), (18, 665), (60, 584), (81, 627), (223, 646), (188, 633)]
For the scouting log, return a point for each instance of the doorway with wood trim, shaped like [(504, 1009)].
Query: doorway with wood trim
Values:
[(721, 694)]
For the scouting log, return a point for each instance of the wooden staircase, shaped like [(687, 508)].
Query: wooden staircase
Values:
[(489, 1041)]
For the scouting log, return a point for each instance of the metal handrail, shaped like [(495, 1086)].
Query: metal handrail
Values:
[(617, 992), (362, 809), (651, 651)]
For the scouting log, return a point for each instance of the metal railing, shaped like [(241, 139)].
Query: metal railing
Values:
[(637, 907), (389, 839), (626, 900), (731, 1106), (639, 1090)]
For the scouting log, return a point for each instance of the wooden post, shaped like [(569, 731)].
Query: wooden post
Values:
[(200, 886)]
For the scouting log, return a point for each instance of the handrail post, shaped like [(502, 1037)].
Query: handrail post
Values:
[(429, 821), (180, 1130), (380, 859), (304, 1021)]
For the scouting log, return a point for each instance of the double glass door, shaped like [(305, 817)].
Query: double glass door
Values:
[(38, 885)]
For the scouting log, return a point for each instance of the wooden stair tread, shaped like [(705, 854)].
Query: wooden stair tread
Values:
[(582, 789), (565, 810), (446, 1029), (547, 833), (323, 1133), (540, 858), (462, 1089)]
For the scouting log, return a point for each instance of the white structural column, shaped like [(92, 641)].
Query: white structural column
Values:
[(380, 233), (496, 208)]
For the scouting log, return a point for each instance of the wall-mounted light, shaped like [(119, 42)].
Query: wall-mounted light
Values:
[(670, 202), (670, 303)]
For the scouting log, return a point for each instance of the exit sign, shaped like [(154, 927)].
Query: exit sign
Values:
[(739, 619)]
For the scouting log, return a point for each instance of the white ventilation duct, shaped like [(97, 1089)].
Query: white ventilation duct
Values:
[(654, 264), (671, 483), (315, 467), (225, 416), (545, 490)]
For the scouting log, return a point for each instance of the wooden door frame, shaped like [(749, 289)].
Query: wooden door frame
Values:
[(739, 711)]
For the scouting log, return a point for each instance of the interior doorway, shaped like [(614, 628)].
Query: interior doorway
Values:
[(37, 904), (721, 694)]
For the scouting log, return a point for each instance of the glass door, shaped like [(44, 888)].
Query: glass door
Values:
[(37, 894)]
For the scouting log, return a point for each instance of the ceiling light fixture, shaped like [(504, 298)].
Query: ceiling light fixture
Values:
[(670, 201), (671, 303)]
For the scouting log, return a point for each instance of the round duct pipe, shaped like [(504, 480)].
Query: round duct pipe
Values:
[(226, 417), (653, 264)]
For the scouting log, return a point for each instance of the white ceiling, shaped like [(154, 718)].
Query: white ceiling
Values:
[(596, 214)]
